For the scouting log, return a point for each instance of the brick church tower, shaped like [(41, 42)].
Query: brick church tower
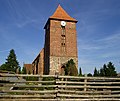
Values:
[(60, 42)]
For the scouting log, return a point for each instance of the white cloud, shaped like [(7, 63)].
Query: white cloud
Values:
[(112, 54), (107, 42), (88, 47), (24, 23), (111, 38)]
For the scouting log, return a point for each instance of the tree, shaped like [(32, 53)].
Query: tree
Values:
[(24, 70), (101, 72), (80, 71), (67, 68), (104, 70), (111, 70), (20, 70), (89, 74), (11, 63), (96, 73), (70, 68), (3, 67)]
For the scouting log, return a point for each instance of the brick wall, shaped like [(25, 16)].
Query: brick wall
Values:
[(55, 56), (38, 63)]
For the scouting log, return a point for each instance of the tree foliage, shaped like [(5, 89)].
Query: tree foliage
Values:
[(106, 71), (111, 70), (89, 74), (3, 67), (24, 70), (11, 63), (96, 72), (80, 71), (70, 68), (103, 71)]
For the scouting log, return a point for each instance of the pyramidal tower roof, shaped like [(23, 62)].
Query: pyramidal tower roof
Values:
[(61, 14)]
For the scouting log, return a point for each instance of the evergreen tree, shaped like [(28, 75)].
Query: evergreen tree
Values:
[(89, 75), (24, 70), (111, 70), (96, 73), (70, 68), (102, 72), (106, 71), (19, 70), (80, 71), (11, 63), (67, 68)]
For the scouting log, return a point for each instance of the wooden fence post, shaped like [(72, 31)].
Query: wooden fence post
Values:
[(40, 79), (57, 88)]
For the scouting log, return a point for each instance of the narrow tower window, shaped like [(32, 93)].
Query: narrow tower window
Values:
[(63, 40)]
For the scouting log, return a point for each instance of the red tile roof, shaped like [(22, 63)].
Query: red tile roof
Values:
[(60, 13)]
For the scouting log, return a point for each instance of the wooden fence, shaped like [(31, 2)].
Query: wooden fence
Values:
[(15, 87)]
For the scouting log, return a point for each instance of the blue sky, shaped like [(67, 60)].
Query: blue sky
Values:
[(98, 29)]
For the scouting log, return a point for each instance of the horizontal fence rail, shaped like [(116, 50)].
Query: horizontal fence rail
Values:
[(17, 87)]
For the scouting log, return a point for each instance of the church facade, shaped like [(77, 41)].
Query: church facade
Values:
[(60, 44)]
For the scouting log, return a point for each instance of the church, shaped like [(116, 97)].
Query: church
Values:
[(59, 47)]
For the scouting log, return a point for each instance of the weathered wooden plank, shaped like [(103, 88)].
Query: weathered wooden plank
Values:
[(60, 86), (69, 86), (72, 86), (105, 87), (30, 82), (61, 91), (28, 96), (88, 96), (95, 99), (25, 75), (70, 77), (31, 86), (74, 82), (90, 78), (88, 92), (30, 91), (29, 99)]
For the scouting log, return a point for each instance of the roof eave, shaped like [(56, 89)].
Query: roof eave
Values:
[(46, 23), (72, 20)]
